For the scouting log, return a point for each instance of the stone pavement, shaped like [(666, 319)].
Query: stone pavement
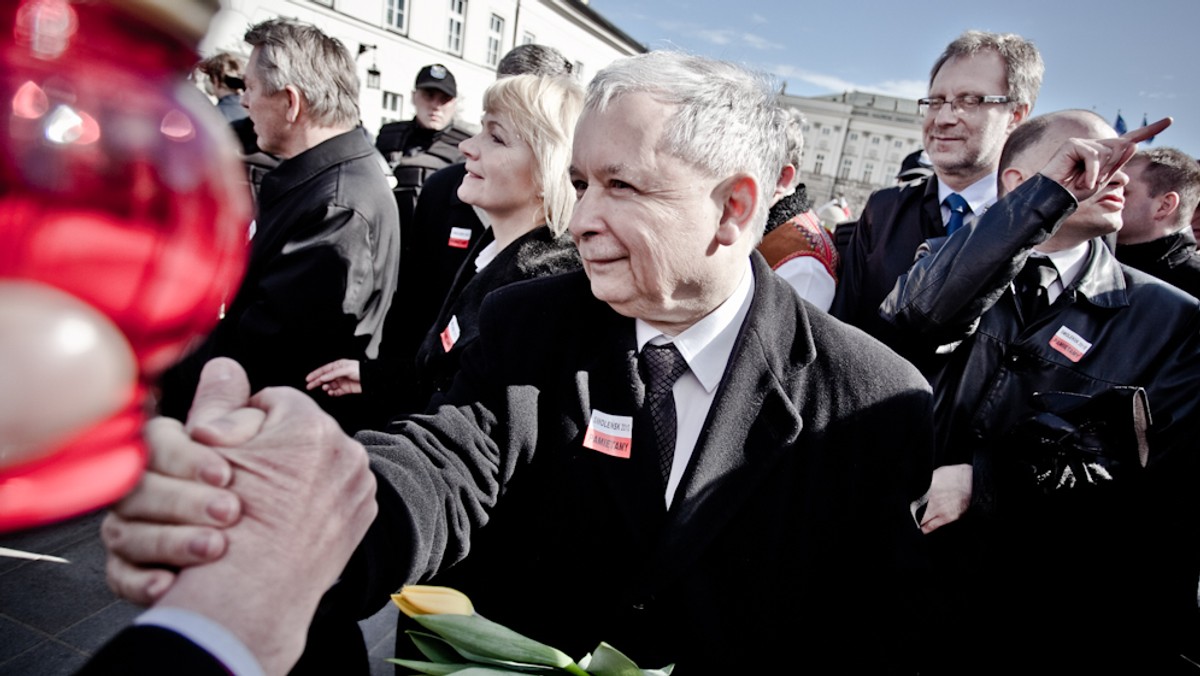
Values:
[(54, 615)]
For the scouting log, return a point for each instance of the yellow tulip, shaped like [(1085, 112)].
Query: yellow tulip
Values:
[(419, 599)]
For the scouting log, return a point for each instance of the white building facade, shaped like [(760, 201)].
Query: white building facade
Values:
[(394, 39), (854, 143)]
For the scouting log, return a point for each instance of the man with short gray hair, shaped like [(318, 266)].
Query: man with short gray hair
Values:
[(325, 243), (668, 451)]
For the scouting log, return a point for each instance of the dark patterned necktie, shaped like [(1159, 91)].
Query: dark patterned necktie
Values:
[(958, 212), (662, 365), (1033, 286)]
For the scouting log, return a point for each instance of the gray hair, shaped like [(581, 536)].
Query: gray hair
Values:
[(534, 60), (1023, 67), (793, 125), (727, 119), (294, 53)]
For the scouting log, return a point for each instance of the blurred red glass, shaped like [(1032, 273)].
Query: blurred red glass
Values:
[(119, 185)]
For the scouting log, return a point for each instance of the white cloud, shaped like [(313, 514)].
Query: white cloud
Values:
[(759, 18), (909, 89), (1156, 95), (720, 36)]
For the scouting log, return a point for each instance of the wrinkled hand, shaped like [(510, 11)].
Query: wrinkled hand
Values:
[(949, 496), (1085, 166), (175, 516), (337, 378), (308, 497)]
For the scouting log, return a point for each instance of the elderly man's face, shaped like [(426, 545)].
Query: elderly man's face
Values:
[(646, 221), (268, 112)]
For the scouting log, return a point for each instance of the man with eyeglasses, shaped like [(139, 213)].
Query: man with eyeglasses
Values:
[(981, 87)]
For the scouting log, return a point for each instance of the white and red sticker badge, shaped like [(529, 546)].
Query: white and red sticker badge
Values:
[(609, 434), (1070, 344), (460, 238), (450, 334)]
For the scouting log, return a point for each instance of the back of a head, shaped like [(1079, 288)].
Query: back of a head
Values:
[(1022, 62), (1032, 143), (1171, 170), (299, 54), (726, 119), (534, 60), (222, 64), (542, 110)]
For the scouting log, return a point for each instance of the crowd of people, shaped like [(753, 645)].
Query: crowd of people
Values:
[(608, 375)]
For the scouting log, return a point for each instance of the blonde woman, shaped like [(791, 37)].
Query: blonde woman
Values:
[(517, 172)]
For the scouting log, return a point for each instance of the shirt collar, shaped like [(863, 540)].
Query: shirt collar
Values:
[(1068, 262), (980, 195), (707, 344)]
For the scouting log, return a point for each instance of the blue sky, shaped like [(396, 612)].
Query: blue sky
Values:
[(1137, 57)]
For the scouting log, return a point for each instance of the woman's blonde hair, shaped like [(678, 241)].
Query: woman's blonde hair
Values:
[(542, 111)]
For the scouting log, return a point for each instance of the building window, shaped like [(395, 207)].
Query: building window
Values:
[(847, 165), (495, 40), (819, 163), (458, 18), (825, 131), (577, 71), (392, 103), (528, 38), (868, 169), (898, 144), (875, 141), (395, 14), (853, 136)]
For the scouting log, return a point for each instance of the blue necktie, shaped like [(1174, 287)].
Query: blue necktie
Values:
[(958, 211)]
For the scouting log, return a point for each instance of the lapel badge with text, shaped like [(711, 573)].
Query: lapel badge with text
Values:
[(460, 238), (1070, 344), (450, 334), (609, 434)]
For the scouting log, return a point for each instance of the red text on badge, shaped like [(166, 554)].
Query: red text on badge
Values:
[(609, 434)]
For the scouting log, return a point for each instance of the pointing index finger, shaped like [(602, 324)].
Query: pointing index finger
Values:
[(1148, 131)]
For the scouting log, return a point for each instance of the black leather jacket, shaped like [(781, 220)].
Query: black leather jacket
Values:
[(1141, 331), (1066, 563)]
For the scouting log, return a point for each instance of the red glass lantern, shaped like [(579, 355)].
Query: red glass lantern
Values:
[(123, 216)]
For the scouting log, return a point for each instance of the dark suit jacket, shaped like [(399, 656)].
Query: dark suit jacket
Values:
[(790, 533), (152, 650), (537, 253), (894, 222), (429, 261)]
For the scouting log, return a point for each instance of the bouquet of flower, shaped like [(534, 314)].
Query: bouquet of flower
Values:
[(464, 643)]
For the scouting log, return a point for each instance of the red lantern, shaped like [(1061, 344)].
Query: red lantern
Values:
[(123, 216)]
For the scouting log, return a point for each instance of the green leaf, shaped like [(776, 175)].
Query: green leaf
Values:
[(665, 671), (519, 667), (491, 640), (430, 668), (483, 671), (608, 661), (433, 647)]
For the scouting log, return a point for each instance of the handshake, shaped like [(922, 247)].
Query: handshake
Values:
[(246, 515)]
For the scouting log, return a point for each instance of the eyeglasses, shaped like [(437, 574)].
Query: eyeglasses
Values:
[(967, 103)]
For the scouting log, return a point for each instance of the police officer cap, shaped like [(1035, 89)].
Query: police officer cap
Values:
[(437, 76)]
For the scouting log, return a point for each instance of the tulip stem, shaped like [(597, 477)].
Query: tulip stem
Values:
[(576, 669)]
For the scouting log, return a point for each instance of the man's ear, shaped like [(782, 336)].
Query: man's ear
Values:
[(1168, 204), (1010, 178), (1020, 113), (295, 103), (739, 200)]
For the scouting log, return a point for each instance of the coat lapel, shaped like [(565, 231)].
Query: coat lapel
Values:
[(749, 427), (608, 381)]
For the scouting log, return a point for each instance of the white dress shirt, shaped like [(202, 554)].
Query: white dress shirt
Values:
[(1068, 263), (706, 347), (215, 639)]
